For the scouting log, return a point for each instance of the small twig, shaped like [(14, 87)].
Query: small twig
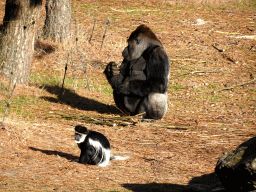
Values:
[(72, 67), (38, 39), (228, 58), (81, 57), (224, 55), (9, 103), (251, 75), (76, 35), (85, 71), (11, 74), (104, 35), (66, 67), (157, 163), (232, 87), (252, 47), (3, 125), (92, 30), (220, 50)]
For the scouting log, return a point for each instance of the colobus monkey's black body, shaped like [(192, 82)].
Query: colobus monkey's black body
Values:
[(95, 147)]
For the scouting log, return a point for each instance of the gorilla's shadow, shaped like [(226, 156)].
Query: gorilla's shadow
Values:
[(76, 101), (61, 154), (197, 184)]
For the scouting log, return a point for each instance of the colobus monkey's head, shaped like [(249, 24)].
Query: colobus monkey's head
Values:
[(80, 133)]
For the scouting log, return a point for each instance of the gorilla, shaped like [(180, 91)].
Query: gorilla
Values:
[(141, 82)]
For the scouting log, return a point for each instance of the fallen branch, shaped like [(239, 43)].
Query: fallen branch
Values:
[(166, 126), (234, 86), (120, 121), (188, 60), (223, 32), (117, 121), (195, 72), (127, 11)]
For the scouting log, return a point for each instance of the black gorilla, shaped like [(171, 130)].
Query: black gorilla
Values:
[(140, 85)]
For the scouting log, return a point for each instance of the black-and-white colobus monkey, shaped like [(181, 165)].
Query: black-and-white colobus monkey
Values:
[(95, 147)]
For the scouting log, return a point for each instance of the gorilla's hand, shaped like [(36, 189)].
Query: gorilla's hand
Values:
[(112, 69)]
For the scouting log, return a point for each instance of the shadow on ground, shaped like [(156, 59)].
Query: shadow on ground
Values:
[(205, 183), (154, 187), (74, 100), (61, 154)]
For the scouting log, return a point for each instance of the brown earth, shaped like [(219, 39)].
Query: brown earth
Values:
[(211, 106)]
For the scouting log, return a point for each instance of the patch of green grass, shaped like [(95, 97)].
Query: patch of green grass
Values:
[(217, 98), (2, 108), (21, 106), (88, 7), (3, 87), (69, 83), (102, 87), (212, 86), (39, 79), (174, 87), (95, 85)]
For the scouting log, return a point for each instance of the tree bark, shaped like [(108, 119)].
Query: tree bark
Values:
[(57, 25), (17, 38)]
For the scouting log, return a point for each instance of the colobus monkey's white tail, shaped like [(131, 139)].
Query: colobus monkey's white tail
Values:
[(117, 157)]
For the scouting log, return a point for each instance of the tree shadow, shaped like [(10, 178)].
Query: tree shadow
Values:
[(61, 154), (205, 183), (154, 187), (74, 100)]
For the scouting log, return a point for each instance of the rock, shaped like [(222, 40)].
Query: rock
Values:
[(237, 170)]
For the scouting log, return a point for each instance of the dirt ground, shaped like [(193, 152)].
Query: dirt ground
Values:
[(211, 105)]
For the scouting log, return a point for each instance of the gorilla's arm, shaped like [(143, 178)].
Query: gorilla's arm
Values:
[(129, 71), (158, 68)]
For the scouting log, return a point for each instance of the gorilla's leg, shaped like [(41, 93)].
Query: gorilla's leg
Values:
[(119, 100), (127, 104), (155, 105)]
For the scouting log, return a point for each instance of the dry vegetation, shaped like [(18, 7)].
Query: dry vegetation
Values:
[(212, 99)]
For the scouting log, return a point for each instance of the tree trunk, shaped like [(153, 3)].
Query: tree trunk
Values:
[(57, 25), (17, 38)]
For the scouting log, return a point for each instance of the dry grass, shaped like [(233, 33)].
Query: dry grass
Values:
[(203, 120)]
